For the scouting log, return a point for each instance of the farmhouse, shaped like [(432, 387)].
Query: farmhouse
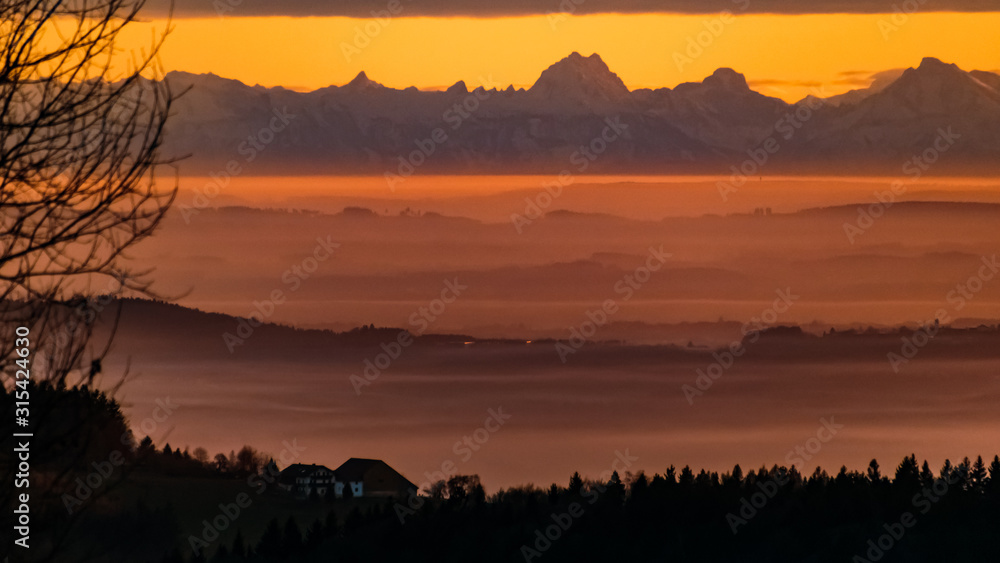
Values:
[(355, 478), (304, 480), (371, 478)]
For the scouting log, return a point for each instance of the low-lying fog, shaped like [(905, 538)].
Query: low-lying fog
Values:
[(665, 261)]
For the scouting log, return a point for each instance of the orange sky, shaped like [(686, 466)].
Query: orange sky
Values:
[(781, 55)]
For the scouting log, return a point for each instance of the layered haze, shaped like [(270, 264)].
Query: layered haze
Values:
[(532, 266), (538, 267), (568, 241)]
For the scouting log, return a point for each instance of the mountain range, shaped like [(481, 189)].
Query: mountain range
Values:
[(580, 117)]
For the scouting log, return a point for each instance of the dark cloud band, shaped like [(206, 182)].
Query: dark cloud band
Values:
[(477, 8)]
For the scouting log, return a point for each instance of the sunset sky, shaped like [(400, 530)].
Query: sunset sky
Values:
[(782, 55)]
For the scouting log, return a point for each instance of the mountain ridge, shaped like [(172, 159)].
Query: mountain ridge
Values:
[(711, 126)]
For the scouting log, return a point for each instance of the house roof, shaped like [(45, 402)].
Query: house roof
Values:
[(356, 468), (298, 470)]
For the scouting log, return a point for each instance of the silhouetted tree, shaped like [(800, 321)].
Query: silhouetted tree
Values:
[(819, 479), (995, 473), (146, 448), (292, 537), (907, 478), (553, 494), (247, 461), (79, 144), (478, 494), (978, 474), (737, 475), (615, 493), (174, 557), (330, 527), (200, 455), (926, 475), (239, 549), (314, 535), (78, 150), (354, 520), (221, 463), (874, 474), (270, 543), (461, 488), (963, 472), (825, 516), (946, 470), (639, 491), (437, 490)]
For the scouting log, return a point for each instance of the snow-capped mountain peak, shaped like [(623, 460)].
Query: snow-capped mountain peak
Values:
[(576, 77)]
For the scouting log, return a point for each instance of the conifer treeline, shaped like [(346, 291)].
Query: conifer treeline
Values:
[(776, 514)]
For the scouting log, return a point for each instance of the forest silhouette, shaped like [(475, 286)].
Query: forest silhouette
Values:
[(903, 513)]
